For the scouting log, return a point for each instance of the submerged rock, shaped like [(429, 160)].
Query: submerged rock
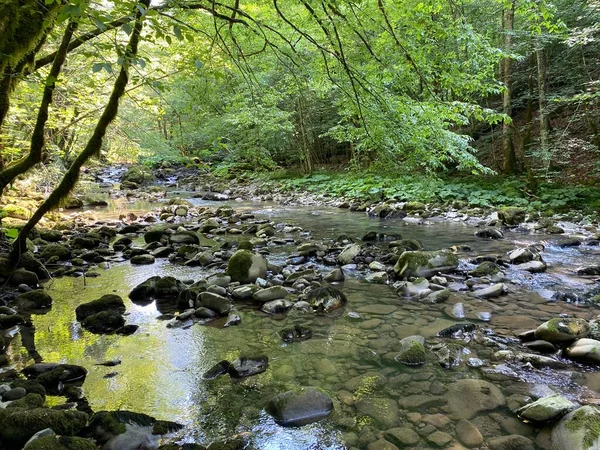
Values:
[(325, 299), (296, 334), (412, 351), (300, 407), (469, 397), (277, 306), (221, 368)]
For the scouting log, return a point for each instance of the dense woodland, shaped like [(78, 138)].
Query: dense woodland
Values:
[(425, 88)]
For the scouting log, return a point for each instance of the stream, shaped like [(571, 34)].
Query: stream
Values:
[(348, 356)]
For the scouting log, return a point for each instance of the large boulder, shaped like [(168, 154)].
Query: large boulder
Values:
[(469, 397), (425, 264), (57, 251), (300, 407), (19, 425), (246, 267), (578, 430), (562, 330), (156, 287)]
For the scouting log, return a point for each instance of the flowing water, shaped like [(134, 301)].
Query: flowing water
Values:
[(348, 356)]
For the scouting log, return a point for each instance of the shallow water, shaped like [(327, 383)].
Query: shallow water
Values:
[(161, 370)]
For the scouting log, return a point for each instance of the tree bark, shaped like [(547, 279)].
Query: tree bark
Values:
[(542, 79), (94, 144), (37, 138), (508, 147)]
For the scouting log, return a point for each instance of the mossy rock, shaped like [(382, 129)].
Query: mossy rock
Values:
[(245, 266), (184, 237), (72, 202), (22, 276), (18, 425), (30, 401), (511, 215), (414, 206), (407, 244), (139, 175), (105, 425), (181, 447), (425, 264), (58, 251), (50, 235), (105, 303), (563, 330), (9, 321), (17, 212), (103, 322), (36, 299), (484, 269), (578, 430), (62, 443), (412, 351)]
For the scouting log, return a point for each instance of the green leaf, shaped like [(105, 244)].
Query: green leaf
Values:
[(177, 32), (198, 64), (97, 67), (126, 28)]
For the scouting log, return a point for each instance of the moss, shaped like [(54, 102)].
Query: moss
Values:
[(412, 263), (239, 265), (18, 424), (413, 353), (55, 250), (103, 322), (30, 401), (62, 443), (245, 245), (17, 212), (587, 420), (35, 299), (485, 268), (31, 386), (164, 427), (104, 303)]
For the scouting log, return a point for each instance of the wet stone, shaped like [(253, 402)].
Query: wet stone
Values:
[(383, 411), (300, 407), (248, 366), (381, 444), (439, 439), (403, 436), (468, 434)]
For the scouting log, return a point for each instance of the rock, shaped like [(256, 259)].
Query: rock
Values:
[(105, 303), (325, 299), (232, 320), (383, 411), (336, 275), (377, 278), (36, 299), (578, 430), (406, 245), (248, 366), (546, 409), (277, 306), (486, 268), (244, 292), (403, 436), (511, 442), (348, 254), (468, 434), (511, 215), (533, 266), (425, 264), (270, 294), (139, 175), (22, 276), (469, 397), (7, 321), (585, 350), (300, 407), (156, 287), (413, 288), (381, 444), (14, 394), (19, 425), (184, 238), (493, 291), (215, 302), (541, 346), (72, 202), (29, 401), (221, 368), (17, 212), (522, 255), (218, 279), (103, 322), (142, 259), (412, 351), (296, 334), (439, 439), (54, 442), (490, 233), (245, 266), (562, 330)]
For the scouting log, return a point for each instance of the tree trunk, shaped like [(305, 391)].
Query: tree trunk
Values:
[(508, 147), (529, 108), (37, 138), (94, 144), (540, 55)]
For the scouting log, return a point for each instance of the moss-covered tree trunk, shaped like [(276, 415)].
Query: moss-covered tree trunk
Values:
[(94, 144), (508, 147), (37, 138)]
